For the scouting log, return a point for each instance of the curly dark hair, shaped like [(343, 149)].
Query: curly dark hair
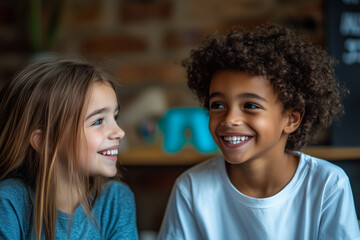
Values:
[(301, 73)]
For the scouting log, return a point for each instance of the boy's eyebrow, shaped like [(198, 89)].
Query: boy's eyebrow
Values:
[(101, 110), (242, 95)]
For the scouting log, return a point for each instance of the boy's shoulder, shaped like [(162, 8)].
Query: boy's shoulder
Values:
[(210, 171), (207, 166), (322, 168), (323, 175)]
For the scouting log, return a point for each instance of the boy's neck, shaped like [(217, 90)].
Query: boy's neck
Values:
[(262, 178)]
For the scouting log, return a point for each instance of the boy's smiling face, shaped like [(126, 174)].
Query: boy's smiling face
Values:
[(246, 117)]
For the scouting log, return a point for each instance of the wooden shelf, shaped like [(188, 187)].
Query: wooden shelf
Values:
[(155, 155), (150, 155), (333, 153)]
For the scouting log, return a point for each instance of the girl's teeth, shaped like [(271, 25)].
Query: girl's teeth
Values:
[(110, 152), (235, 139)]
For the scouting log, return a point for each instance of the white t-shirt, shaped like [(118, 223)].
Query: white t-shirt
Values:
[(316, 204)]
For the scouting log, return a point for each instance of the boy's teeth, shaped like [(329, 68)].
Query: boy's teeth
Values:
[(110, 152), (235, 139)]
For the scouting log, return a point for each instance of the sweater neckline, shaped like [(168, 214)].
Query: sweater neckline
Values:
[(65, 216)]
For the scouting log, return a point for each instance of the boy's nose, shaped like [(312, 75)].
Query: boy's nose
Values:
[(232, 118)]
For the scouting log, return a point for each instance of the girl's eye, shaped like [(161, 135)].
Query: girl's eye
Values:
[(251, 106), (98, 122), (217, 105), (116, 117)]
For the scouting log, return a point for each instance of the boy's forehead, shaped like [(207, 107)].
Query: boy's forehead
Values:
[(230, 80), (232, 84)]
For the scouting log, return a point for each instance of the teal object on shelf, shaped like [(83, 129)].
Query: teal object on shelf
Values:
[(178, 121)]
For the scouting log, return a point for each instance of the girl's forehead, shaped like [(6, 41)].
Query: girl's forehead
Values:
[(101, 96), (98, 87)]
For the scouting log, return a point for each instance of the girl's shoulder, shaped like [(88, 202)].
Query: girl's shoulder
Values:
[(15, 194), (115, 211), (116, 187), (15, 208), (116, 199), (117, 192), (14, 190)]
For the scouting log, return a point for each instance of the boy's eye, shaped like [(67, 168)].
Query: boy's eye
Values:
[(98, 122), (216, 105), (251, 106)]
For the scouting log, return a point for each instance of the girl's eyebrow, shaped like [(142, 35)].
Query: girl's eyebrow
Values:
[(101, 110), (242, 95), (97, 111)]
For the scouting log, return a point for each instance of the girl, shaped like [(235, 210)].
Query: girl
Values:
[(58, 142)]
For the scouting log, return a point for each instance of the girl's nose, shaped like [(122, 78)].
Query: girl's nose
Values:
[(116, 132)]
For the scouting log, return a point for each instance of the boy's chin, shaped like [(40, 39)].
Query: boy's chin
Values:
[(234, 160)]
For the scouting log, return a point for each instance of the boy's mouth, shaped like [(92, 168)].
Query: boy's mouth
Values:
[(235, 139)]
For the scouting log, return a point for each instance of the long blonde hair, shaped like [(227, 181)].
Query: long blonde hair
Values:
[(48, 96)]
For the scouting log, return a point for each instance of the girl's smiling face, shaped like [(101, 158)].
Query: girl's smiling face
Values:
[(99, 144), (246, 117)]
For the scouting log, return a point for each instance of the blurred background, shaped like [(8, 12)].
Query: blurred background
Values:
[(142, 43)]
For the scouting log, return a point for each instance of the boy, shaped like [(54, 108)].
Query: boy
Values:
[(268, 93)]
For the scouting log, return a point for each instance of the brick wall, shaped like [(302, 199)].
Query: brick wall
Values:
[(143, 41)]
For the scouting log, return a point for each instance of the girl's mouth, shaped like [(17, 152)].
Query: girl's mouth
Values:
[(112, 152)]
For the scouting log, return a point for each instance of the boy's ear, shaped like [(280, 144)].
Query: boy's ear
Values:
[(35, 139), (294, 120)]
